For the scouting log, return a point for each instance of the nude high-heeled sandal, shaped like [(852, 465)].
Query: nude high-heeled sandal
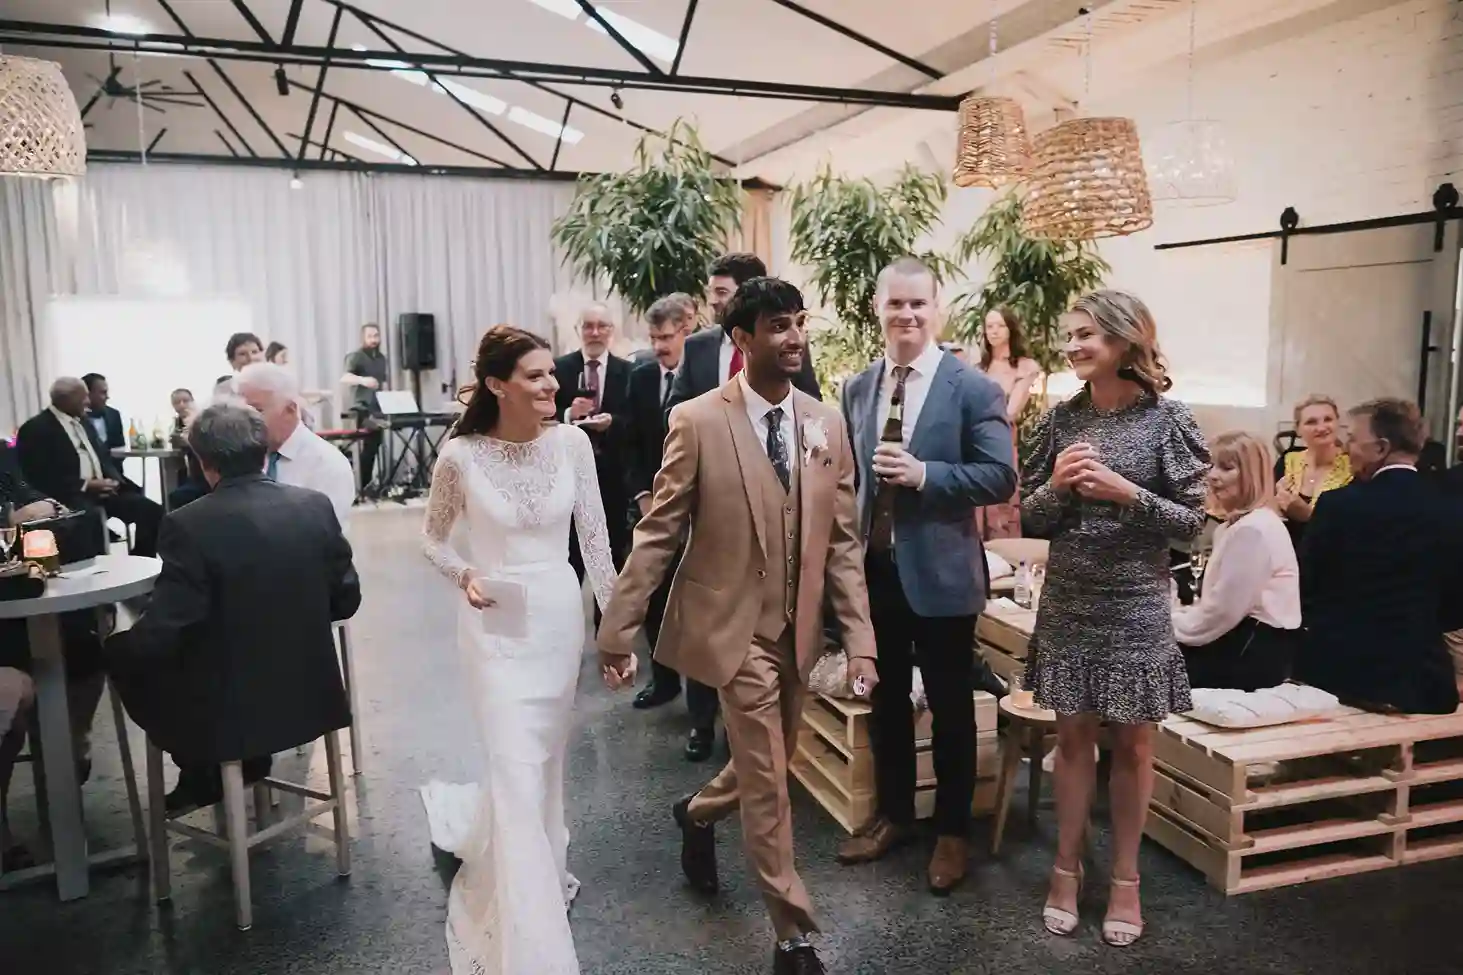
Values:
[(1122, 934), (1060, 921)]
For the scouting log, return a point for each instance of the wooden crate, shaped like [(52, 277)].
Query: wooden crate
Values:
[(1294, 803), (835, 763), (1001, 638)]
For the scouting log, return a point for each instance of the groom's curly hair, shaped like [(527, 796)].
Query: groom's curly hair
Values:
[(757, 297)]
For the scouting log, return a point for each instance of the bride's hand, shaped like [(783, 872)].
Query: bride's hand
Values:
[(618, 671), (475, 597)]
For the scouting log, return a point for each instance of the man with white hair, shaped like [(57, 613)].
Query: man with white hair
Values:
[(297, 456)]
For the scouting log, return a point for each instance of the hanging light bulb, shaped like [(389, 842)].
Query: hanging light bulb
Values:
[(1190, 161), (40, 127), (994, 147)]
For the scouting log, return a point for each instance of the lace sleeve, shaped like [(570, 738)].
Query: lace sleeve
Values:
[(444, 506), (589, 518)]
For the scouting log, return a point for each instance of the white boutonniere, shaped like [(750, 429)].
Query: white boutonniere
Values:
[(815, 438)]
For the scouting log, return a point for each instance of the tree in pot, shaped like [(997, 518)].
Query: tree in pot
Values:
[(652, 230), (1038, 279), (846, 231)]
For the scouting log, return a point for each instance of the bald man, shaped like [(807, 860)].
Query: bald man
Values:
[(62, 457), (594, 393)]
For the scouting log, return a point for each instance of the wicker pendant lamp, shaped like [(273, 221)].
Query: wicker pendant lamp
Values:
[(994, 147), (1087, 181), (40, 128)]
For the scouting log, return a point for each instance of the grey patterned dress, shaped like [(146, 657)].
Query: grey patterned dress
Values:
[(1104, 640)]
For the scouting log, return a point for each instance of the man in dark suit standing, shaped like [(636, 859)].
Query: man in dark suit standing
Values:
[(710, 357), (933, 443), (593, 390), (1381, 574), (204, 672), (63, 457), (105, 420)]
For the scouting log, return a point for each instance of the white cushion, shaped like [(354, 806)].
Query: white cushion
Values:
[(1287, 703)]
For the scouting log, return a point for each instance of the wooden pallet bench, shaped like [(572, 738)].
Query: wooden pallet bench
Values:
[(1001, 638), (1294, 803), (834, 760)]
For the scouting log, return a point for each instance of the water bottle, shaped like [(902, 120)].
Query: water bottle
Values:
[(1023, 586)]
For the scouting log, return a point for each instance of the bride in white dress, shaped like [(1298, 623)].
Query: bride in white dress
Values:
[(514, 484)]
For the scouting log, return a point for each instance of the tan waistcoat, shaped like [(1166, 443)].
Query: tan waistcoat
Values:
[(782, 512)]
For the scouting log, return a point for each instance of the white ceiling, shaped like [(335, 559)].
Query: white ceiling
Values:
[(745, 39)]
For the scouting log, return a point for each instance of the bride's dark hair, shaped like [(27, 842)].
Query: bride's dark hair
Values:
[(498, 354)]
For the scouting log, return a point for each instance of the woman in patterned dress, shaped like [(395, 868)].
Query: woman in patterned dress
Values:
[(1003, 358), (1114, 475)]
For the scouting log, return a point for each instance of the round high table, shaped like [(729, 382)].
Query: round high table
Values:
[(110, 579), (167, 472)]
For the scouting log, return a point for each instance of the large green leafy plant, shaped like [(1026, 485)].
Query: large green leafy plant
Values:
[(1038, 279), (847, 230), (652, 230)]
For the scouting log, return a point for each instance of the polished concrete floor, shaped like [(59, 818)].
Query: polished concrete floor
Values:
[(633, 917)]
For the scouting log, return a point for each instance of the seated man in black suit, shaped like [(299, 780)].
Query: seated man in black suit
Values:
[(1381, 573), (207, 672), (63, 457), (104, 419)]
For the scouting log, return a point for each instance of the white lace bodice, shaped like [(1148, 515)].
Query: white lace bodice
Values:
[(516, 500)]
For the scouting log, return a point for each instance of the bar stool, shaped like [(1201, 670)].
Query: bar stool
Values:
[(235, 835), (348, 678), (1025, 734)]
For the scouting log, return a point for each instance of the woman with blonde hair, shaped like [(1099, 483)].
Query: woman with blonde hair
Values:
[(1303, 475), (1114, 474), (1243, 631)]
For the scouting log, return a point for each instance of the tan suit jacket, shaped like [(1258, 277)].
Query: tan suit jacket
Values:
[(708, 493)]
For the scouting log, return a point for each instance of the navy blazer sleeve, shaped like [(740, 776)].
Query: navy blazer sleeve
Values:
[(986, 473)]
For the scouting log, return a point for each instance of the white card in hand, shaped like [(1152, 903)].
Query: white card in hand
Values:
[(508, 616)]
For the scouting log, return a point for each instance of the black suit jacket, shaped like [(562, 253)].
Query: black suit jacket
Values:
[(1381, 579), (51, 463), (701, 369), (647, 428), (611, 447), (13, 485), (234, 656), (116, 433)]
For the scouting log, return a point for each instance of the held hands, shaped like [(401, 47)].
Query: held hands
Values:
[(897, 466), (618, 671), (101, 485), (1078, 469), (599, 422), (581, 408), (863, 676)]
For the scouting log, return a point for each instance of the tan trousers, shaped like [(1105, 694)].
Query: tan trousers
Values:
[(762, 708)]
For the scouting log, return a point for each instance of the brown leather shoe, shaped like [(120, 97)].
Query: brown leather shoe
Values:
[(948, 865), (872, 840)]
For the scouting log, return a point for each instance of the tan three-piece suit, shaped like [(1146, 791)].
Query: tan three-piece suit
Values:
[(746, 606)]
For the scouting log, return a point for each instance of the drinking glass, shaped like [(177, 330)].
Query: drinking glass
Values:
[(9, 536)]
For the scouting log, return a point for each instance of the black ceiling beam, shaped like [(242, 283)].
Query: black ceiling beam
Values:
[(432, 77), (329, 128), (630, 49), (863, 39), (319, 85), (291, 23), (382, 133), (157, 138), (227, 144), (685, 33), (248, 15), (90, 38), (573, 100), (559, 144), (224, 75), (228, 123), (362, 110), (309, 143), (351, 165)]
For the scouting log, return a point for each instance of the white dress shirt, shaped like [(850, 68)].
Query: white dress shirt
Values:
[(916, 390), (307, 461), (724, 353), (90, 463), (1252, 572), (757, 410)]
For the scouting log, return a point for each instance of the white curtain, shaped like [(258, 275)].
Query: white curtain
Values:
[(313, 263)]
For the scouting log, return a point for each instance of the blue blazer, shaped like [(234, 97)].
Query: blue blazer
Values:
[(964, 439)]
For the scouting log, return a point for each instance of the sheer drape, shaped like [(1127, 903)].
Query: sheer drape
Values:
[(314, 264)]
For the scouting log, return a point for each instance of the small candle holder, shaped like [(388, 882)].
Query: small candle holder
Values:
[(39, 548)]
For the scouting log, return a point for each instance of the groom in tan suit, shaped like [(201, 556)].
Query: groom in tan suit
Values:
[(761, 478)]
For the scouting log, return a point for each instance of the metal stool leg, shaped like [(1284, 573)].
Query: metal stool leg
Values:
[(237, 829), (348, 676), (337, 791), (162, 881)]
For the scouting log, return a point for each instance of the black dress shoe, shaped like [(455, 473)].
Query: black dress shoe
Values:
[(699, 744), (698, 850), (655, 695), (802, 960)]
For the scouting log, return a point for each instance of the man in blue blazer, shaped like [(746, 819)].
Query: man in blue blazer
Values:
[(947, 451)]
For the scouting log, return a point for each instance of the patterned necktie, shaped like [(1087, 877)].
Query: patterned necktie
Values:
[(881, 529), (777, 448), (736, 363), (593, 381), (272, 471)]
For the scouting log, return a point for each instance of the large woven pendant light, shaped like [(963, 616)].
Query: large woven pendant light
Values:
[(994, 147), (1087, 178), (1190, 161), (40, 127)]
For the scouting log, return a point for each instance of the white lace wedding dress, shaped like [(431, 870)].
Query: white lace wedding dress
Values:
[(507, 912)]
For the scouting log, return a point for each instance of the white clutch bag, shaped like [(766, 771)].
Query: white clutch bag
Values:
[(508, 615)]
